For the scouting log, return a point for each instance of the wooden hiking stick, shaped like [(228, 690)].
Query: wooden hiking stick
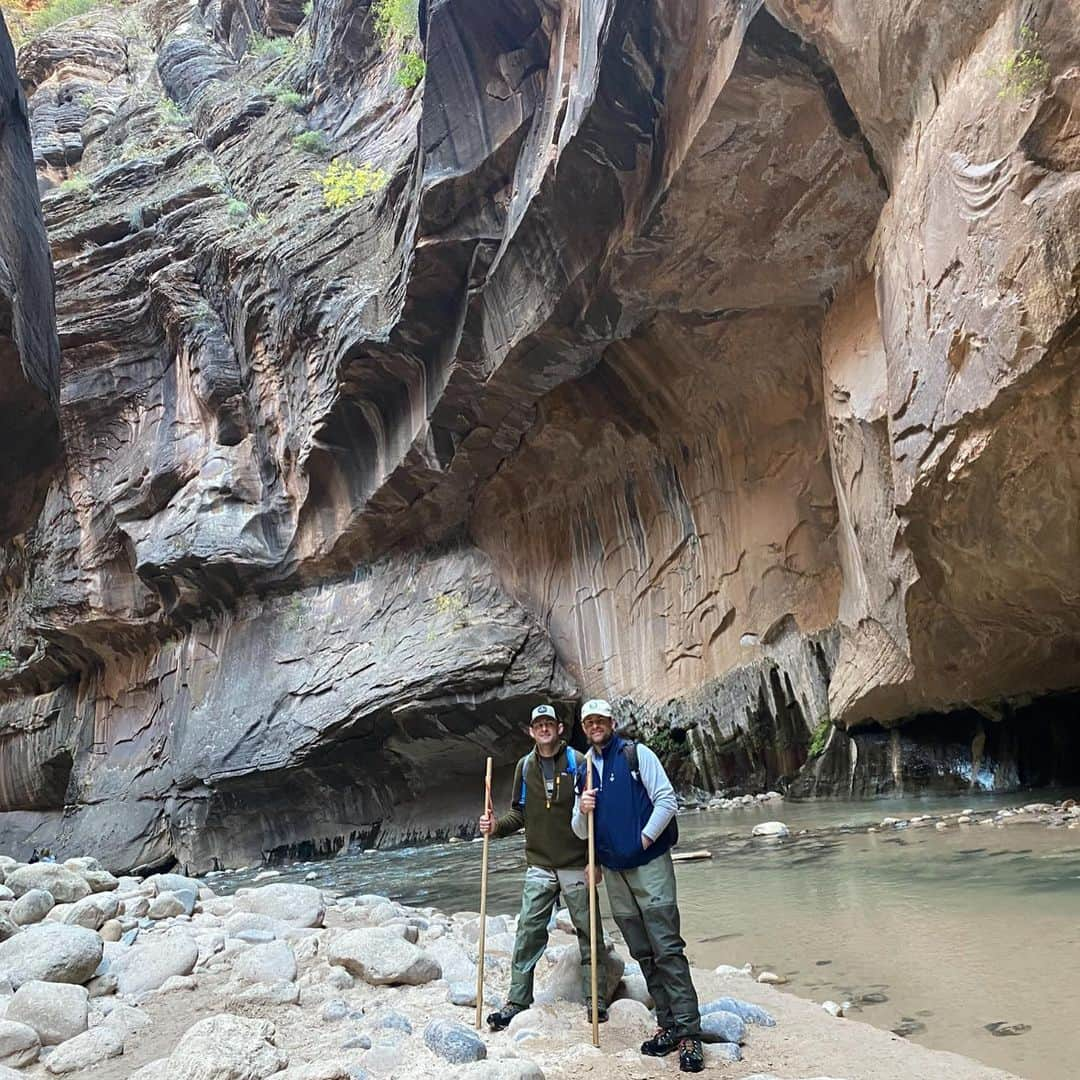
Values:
[(592, 905), (483, 904)]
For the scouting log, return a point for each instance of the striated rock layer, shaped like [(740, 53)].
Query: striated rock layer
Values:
[(716, 356)]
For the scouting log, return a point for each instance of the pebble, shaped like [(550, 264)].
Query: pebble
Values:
[(770, 978)]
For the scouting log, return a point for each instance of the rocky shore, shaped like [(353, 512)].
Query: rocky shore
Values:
[(163, 979)]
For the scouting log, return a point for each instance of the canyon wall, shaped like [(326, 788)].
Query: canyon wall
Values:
[(716, 356)]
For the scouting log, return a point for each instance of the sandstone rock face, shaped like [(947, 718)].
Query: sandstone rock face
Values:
[(753, 403)]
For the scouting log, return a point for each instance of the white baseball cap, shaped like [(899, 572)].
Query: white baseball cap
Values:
[(543, 710), (596, 707)]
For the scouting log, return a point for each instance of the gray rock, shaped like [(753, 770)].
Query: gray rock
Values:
[(19, 1044), (720, 1026), (153, 959), (273, 962), (100, 880), (502, 1069), (92, 912), (562, 982), (66, 886), (460, 993), (85, 1050), (392, 1020), (775, 829), (293, 905), (126, 1020), (172, 883), (357, 1042), (50, 952), (256, 937), (56, 1011), (334, 1011), (746, 1011), (454, 962), (165, 905), (239, 1048), (454, 1042), (725, 1052), (240, 921), (7, 928), (381, 958)]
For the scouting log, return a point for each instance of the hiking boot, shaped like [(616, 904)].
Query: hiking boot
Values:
[(501, 1019), (661, 1044), (601, 1012), (691, 1056)]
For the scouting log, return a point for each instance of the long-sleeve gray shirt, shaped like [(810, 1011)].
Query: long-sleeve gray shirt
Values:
[(657, 786)]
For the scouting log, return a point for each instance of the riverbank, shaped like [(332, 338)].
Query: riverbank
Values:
[(163, 979)]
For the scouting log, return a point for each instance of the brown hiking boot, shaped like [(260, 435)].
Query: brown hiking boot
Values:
[(691, 1056)]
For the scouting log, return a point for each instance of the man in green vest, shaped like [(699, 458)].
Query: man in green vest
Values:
[(543, 804)]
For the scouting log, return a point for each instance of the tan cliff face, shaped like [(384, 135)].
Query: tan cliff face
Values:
[(718, 357)]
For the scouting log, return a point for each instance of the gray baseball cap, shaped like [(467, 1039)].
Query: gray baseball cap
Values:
[(543, 711)]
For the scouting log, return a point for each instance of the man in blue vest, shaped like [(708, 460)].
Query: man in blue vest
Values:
[(633, 806)]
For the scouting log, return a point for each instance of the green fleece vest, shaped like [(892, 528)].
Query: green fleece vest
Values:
[(550, 842)]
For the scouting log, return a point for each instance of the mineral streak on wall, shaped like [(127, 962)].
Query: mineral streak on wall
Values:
[(717, 356)]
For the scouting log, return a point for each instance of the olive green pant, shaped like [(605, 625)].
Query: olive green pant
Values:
[(645, 907), (538, 898)]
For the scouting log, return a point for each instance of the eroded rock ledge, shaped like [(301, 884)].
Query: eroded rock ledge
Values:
[(721, 356)]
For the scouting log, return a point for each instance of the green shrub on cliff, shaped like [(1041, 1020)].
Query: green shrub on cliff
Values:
[(410, 71), (821, 738), (7, 661), (261, 45), (344, 184), (396, 20), (1024, 71), (312, 142), (58, 11)]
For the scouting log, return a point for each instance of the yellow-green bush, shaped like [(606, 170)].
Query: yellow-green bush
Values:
[(344, 184), (1023, 71), (395, 20), (411, 70)]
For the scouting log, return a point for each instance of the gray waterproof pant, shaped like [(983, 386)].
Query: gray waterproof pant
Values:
[(542, 888), (646, 909)]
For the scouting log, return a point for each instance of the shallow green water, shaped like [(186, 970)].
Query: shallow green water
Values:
[(957, 930)]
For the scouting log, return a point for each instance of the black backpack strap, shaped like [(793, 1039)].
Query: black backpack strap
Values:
[(517, 800), (629, 751)]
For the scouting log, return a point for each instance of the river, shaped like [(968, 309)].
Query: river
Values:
[(955, 936)]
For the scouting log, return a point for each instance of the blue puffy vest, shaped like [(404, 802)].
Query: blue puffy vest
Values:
[(623, 807)]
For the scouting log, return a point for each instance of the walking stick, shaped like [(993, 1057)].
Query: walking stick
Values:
[(483, 904), (592, 905)]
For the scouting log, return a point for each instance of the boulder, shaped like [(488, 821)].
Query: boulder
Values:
[(19, 1044), (126, 1020), (455, 963), (382, 958), (66, 886), (631, 1015), (7, 928), (722, 1026), (246, 922), (746, 1011), (317, 1070), (454, 1042), (274, 962), (715, 1053), (50, 952), (226, 1047), (775, 829), (563, 981), (462, 993), (634, 987), (56, 1011), (85, 1050), (153, 959), (294, 905), (100, 880), (172, 883), (92, 911), (166, 905)]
